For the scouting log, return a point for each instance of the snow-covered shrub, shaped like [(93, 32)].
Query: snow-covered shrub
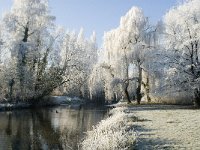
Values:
[(113, 133)]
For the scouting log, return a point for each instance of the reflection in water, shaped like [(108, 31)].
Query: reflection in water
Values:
[(50, 128)]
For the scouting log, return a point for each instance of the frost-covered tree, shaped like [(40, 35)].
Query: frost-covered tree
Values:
[(124, 46), (31, 38), (1, 42), (97, 84), (182, 34), (83, 56)]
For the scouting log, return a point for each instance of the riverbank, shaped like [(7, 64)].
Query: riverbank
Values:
[(114, 133), (48, 101), (147, 126)]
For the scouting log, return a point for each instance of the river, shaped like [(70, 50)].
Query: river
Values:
[(47, 128)]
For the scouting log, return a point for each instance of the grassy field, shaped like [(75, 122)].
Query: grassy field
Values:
[(166, 127)]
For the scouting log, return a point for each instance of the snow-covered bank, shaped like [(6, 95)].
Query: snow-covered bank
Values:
[(157, 126), (48, 101), (64, 100), (114, 133), (11, 106)]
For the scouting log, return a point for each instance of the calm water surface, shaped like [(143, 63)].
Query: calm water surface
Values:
[(47, 128)]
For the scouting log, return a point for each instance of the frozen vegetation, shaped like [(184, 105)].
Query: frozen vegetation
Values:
[(167, 127), (114, 133), (146, 127), (138, 60)]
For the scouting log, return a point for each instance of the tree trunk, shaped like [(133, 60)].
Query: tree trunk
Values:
[(147, 90), (138, 90), (11, 92), (127, 76), (22, 61), (127, 95), (197, 97), (81, 95), (139, 95)]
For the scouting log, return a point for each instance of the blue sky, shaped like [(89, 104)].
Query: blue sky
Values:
[(99, 15)]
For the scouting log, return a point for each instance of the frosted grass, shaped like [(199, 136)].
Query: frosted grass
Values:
[(113, 133)]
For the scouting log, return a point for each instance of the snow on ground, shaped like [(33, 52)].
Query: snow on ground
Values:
[(157, 127), (114, 133), (166, 127)]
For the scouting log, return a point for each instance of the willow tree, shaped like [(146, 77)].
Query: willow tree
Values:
[(128, 40)]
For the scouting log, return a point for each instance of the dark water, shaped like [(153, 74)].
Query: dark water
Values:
[(47, 128)]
